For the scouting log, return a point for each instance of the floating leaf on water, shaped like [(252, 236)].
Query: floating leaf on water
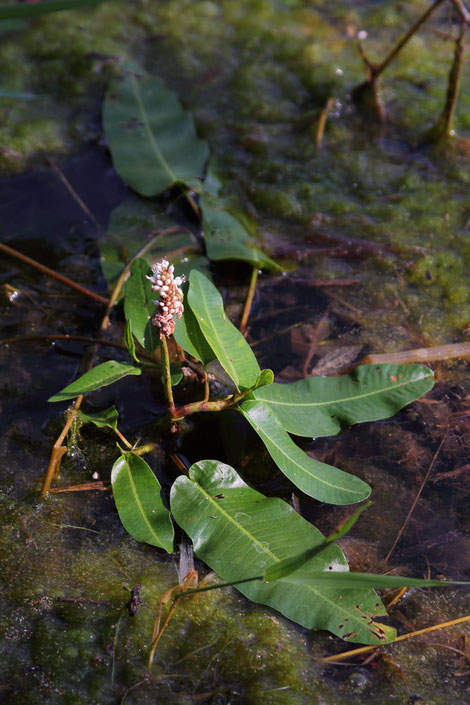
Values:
[(152, 140), (323, 406), (318, 480), (107, 417), (137, 494), (227, 238), (100, 376), (238, 532)]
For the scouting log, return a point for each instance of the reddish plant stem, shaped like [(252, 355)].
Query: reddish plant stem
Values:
[(198, 406), (58, 449)]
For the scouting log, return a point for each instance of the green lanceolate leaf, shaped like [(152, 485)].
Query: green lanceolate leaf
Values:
[(100, 376), (227, 238), (139, 305), (42, 8), (108, 417), (323, 406), (189, 336), (318, 480), (229, 345), (347, 581), (239, 533), (153, 141), (288, 566), (137, 494)]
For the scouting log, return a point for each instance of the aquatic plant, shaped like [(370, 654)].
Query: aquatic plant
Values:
[(273, 555), (368, 94), (244, 536)]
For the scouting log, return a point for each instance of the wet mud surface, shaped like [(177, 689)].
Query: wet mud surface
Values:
[(373, 231)]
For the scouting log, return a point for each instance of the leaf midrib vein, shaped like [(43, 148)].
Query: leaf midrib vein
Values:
[(139, 504), (148, 129), (336, 401), (262, 433), (317, 593), (204, 323)]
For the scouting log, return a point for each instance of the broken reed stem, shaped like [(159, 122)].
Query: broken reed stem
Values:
[(443, 127), (68, 337), (58, 450), (416, 499), (322, 121), (85, 486), (368, 93), (366, 649), (158, 632), (396, 597), (438, 352), (53, 274), (167, 376), (249, 299), (192, 203), (461, 9), (380, 68), (321, 328), (73, 193)]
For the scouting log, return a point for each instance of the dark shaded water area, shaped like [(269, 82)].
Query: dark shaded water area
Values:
[(372, 208)]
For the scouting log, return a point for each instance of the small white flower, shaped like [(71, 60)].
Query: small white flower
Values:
[(164, 281)]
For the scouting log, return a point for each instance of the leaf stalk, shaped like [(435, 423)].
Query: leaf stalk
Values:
[(167, 376)]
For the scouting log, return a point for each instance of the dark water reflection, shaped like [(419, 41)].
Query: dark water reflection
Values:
[(366, 218)]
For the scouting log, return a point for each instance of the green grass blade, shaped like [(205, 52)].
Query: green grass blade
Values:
[(285, 568)]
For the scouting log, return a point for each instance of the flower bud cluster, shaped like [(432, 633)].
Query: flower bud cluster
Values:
[(167, 285)]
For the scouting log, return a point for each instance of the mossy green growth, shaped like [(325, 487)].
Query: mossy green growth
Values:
[(67, 594)]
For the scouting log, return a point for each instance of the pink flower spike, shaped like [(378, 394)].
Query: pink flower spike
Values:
[(167, 285)]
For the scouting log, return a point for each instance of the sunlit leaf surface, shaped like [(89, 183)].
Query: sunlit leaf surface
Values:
[(137, 494), (323, 406), (152, 139), (100, 376), (239, 533), (319, 480), (229, 345)]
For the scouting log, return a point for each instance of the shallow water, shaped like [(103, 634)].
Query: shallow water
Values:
[(373, 206)]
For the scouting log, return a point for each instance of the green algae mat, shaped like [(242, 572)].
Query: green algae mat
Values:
[(262, 179)]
